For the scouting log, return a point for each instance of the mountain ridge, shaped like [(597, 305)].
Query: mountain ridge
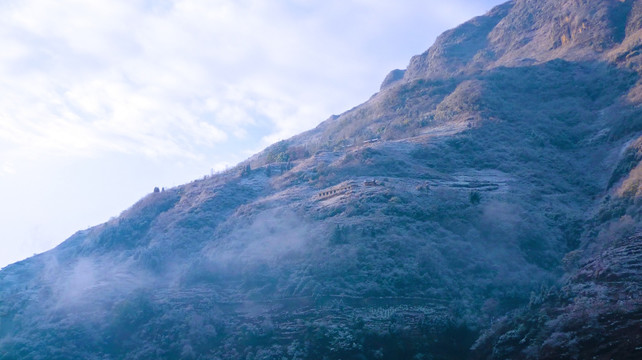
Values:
[(483, 204)]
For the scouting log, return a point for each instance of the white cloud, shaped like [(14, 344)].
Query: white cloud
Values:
[(8, 168), (166, 78)]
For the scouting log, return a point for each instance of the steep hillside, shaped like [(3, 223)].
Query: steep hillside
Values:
[(484, 204)]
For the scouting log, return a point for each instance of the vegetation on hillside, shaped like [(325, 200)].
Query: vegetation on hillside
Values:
[(492, 211)]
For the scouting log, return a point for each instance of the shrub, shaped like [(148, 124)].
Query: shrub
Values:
[(278, 152), (474, 197)]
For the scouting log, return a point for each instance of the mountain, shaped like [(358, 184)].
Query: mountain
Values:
[(484, 204)]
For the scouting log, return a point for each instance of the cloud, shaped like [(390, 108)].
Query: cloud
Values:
[(167, 78)]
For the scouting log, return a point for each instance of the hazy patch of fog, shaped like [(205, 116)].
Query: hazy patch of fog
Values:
[(91, 280), (270, 236), (501, 217)]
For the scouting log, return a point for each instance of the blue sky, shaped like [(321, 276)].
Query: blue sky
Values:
[(101, 101)]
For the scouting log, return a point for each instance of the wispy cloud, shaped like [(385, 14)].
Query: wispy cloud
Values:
[(165, 78)]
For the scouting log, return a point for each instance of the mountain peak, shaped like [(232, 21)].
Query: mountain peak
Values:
[(526, 32)]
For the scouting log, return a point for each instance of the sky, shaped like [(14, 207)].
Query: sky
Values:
[(101, 101)]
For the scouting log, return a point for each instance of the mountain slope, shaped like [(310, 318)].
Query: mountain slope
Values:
[(484, 204)]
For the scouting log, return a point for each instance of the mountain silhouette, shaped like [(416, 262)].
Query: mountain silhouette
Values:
[(484, 204)]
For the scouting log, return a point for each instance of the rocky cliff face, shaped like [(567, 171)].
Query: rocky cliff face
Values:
[(484, 204)]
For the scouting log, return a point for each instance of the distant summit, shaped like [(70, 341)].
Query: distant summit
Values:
[(392, 77), (532, 32), (484, 204)]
